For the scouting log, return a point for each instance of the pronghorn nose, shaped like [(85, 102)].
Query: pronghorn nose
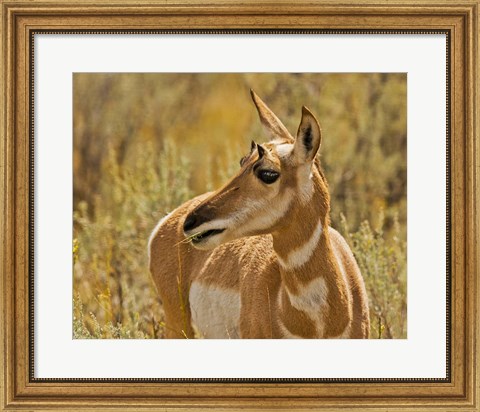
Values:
[(190, 222)]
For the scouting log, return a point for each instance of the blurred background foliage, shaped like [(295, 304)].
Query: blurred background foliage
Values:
[(145, 143)]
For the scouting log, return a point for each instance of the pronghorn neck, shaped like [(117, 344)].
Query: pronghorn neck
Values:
[(312, 282), (299, 235)]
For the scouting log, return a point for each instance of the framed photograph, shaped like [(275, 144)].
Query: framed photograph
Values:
[(239, 205)]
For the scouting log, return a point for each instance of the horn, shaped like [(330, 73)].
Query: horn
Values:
[(272, 124)]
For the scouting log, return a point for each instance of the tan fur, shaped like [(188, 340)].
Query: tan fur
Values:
[(266, 226)]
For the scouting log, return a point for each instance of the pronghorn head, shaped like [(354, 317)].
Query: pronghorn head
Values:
[(275, 179)]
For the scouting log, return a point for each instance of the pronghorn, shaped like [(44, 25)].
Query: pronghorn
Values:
[(257, 258)]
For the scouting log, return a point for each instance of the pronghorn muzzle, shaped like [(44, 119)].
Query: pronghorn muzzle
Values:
[(194, 221)]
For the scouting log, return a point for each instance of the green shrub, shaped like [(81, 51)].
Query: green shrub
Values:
[(114, 294), (383, 264)]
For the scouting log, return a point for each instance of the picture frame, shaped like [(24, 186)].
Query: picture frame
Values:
[(460, 390)]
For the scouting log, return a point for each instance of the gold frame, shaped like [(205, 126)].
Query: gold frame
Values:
[(21, 18)]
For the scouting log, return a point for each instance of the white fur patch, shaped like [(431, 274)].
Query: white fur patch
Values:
[(269, 213), (312, 300), (305, 183), (215, 311), (155, 231), (301, 255), (284, 150)]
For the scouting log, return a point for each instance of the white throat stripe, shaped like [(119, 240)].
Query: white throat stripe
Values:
[(301, 255)]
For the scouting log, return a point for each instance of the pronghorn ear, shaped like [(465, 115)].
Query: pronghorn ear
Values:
[(272, 124), (308, 138)]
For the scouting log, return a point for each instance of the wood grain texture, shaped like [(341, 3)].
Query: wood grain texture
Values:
[(22, 17)]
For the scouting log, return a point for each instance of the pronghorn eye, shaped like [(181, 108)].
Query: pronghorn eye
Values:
[(268, 176), (242, 160)]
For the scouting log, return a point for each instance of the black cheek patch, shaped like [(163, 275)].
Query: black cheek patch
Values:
[(308, 138)]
